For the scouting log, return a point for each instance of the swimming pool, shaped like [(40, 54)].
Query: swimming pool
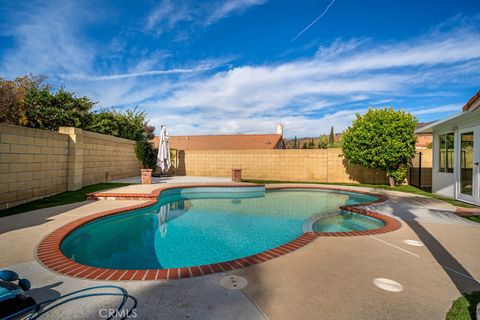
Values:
[(202, 226)]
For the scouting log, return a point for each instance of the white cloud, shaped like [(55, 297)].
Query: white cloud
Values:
[(439, 109), (47, 39), (228, 7), (254, 98), (141, 74), (308, 95), (168, 14), (379, 71)]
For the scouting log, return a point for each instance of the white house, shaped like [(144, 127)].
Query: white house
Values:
[(456, 153)]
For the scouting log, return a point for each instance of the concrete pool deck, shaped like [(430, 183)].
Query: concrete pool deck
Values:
[(330, 278)]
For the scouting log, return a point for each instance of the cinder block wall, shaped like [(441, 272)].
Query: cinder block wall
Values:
[(319, 165), (106, 158), (37, 163), (33, 164)]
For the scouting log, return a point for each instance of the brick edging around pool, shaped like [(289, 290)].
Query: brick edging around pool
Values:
[(466, 212), (49, 254)]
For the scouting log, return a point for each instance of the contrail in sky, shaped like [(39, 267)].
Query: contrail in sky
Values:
[(314, 21)]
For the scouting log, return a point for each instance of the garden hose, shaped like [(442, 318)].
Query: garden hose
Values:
[(46, 306)]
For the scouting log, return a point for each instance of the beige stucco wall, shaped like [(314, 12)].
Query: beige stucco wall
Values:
[(320, 165), (37, 163)]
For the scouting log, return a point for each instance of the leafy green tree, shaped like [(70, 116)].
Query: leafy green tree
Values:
[(382, 139), (49, 111), (311, 144), (295, 143), (331, 138), (322, 142), (131, 124)]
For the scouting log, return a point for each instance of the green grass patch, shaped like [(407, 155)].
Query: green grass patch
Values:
[(60, 199), (465, 307), (473, 218), (403, 188)]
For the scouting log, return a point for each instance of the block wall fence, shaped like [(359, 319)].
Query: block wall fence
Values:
[(316, 165), (38, 163)]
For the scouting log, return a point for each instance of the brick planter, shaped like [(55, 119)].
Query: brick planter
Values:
[(237, 175), (146, 176)]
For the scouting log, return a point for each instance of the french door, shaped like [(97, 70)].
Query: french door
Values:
[(468, 175)]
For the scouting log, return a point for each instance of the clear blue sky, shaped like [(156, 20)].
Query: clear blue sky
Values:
[(231, 66)]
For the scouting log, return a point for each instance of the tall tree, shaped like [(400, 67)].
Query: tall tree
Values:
[(331, 138), (13, 109)]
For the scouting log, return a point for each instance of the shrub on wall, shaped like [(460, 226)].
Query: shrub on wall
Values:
[(382, 139), (130, 124), (49, 111)]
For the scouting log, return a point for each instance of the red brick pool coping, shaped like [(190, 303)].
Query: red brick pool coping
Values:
[(466, 212), (49, 254)]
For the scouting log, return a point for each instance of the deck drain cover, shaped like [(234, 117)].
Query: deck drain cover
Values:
[(413, 243), (388, 285), (233, 282)]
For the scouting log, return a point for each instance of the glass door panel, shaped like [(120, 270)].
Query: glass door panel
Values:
[(467, 158)]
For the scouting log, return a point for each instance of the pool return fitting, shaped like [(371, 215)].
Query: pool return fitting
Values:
[(15, 304)]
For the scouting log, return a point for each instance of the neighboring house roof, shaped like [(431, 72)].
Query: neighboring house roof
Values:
[(424, 140), (225, 142), (471, 104), (422, 124)]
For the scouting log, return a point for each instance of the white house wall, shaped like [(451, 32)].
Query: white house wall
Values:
[(444, 183)]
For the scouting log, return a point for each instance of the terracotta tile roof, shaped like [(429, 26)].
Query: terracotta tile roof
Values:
[(470, 103), (225, 142)]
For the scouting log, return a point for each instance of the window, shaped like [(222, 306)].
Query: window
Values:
[(447, 152)]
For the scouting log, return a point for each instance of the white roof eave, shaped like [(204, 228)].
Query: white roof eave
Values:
[(429, 128)]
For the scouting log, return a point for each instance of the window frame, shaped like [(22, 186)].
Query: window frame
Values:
[(449, 146)]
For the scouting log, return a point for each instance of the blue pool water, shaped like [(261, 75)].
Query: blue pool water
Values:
[(189, 227), (346, 221)]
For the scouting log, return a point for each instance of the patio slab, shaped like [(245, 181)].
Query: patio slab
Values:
[(330, 278), (333, 278), (195, 298)]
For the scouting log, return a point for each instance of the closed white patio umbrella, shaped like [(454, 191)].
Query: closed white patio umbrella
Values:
[(162, 219), (163, 158)]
